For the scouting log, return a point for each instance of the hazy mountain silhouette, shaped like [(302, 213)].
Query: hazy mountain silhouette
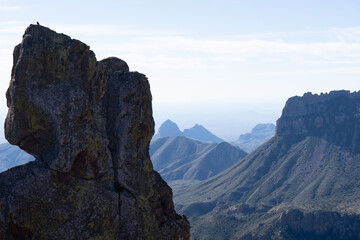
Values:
[(197, 132), (258, 135), (169, 129), (311, 165), (180, 158)]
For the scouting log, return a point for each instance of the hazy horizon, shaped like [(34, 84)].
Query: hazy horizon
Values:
[(227, 65)]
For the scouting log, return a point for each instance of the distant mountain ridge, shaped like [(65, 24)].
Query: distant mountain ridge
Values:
[(258, 135), (169, 129), (180, 158), (197, 132), (307, 171)]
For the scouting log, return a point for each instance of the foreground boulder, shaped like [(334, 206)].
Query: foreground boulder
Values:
[(89, 125)]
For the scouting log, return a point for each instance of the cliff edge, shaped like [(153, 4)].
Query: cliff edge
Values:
[(88, 123)]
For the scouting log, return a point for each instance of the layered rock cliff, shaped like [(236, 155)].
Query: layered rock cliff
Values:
[(334, 117), (88, 123), (305, 179)]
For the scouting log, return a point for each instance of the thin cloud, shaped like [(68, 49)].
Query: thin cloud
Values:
[(215, 51), (10, 8)]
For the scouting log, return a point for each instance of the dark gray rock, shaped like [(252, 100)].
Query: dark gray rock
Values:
[(89, 125), (334, 117)]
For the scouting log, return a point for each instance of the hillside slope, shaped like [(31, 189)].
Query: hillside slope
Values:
[(310, 167), (181, 158)]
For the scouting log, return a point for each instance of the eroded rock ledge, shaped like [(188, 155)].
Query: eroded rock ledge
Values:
[(333, 116), (89, 125)]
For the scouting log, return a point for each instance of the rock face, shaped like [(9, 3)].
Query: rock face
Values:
[(310, 167), (334, 117), (89, 125)]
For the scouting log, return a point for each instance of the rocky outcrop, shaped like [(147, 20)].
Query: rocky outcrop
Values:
[(89, 125), (296, 224), (320, 224), (310, 166), (334, 117)]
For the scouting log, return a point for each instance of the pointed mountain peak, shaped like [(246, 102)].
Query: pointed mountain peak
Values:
[(197, 126), (169, 122), (169, 128), (200, 133), (197, 132)]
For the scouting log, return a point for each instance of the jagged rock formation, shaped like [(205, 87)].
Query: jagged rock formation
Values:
[(88, 124), (334, 117), (309, 166)]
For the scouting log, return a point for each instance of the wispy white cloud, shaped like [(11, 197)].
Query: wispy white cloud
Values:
[(112, 30), (176, 47), (201, 62), (10, 8), (181, 50)]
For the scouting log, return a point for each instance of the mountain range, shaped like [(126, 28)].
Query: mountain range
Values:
[(258, 135), (197, 132), (301, 184), (182, 161)]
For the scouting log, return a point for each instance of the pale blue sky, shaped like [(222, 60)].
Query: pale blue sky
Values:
[(224, 64)]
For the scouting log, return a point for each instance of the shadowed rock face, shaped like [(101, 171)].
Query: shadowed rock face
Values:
[(334, 117), (89, 125)]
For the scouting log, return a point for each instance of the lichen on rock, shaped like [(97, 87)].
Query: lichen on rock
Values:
[(88, 123)]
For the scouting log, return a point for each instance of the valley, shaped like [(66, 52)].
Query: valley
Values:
[(300, 179)]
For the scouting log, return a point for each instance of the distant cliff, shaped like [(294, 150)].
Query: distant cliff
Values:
[(334, 117), (88, 123), (301, 184)]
